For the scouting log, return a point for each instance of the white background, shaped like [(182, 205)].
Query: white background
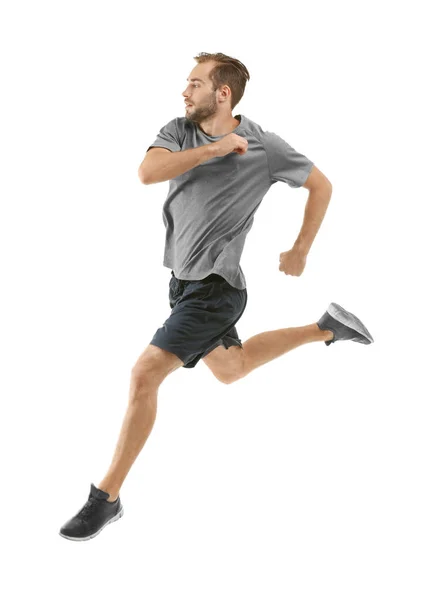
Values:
[(321, 474)]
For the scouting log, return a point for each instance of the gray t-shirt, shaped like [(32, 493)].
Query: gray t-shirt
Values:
[(210, 208)]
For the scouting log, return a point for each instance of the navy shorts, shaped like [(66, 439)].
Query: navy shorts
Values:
[(204, 314)]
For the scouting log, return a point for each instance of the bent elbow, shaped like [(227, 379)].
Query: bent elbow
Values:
[(143, 177)]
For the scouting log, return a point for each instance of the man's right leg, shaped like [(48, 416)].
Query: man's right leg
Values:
[(150, 370)]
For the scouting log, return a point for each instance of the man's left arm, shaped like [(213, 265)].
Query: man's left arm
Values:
[(315, 209), (293, 261)]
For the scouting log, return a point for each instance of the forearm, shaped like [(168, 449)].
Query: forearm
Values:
[(315, 209), (169, 166)]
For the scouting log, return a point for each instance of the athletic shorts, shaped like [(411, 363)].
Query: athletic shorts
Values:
[(204, 314)]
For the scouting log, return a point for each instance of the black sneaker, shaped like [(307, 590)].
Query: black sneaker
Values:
[(96, 513), (344, 325)]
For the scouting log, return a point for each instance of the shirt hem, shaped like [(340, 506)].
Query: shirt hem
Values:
[(216, 272)]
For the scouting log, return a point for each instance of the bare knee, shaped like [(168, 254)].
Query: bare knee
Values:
[(232, 376), (227, 379), (227, 365), (153, 366)]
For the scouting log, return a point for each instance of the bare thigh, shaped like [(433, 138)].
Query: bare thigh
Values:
[(156, 363)]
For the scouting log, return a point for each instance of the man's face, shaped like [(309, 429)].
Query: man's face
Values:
[(199, 94)]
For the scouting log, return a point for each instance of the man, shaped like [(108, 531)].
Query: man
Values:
[(219, 168)]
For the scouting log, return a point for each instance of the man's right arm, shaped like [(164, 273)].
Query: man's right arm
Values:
[(160, 164)]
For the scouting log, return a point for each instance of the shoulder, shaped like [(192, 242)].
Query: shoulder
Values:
[(270, 140), (250, 127)]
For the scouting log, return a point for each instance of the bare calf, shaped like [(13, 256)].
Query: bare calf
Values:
[(149, 371), (229, 365)]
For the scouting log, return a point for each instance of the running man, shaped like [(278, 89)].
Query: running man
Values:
[(219, 168)]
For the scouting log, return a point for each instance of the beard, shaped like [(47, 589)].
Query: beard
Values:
[(197, 114)]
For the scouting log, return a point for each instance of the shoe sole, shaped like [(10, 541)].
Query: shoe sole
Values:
[(84, 539), (350, 320)]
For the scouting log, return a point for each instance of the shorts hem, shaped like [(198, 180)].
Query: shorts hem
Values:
[(160, 345)]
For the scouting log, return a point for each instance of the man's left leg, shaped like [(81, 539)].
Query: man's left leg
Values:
[(229, 365), (336, 324)]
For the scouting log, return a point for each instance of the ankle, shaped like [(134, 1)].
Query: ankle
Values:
[(326, 334), (113, 492)]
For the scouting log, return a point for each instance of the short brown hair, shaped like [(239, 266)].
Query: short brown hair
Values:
[(228, 71)]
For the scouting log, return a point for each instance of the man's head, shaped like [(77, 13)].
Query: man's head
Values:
[(214, 86)]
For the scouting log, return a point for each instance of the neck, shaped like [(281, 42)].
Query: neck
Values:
[(223, 129)]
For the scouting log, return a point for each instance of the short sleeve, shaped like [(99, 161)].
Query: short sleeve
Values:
[(167, 138), (285, 163)]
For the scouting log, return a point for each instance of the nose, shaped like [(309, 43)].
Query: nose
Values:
[(186, 94)]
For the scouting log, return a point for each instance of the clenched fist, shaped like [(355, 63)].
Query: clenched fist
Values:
[(292, 262)]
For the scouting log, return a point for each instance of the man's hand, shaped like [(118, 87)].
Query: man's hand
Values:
[(230, 143), (293, 262)]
